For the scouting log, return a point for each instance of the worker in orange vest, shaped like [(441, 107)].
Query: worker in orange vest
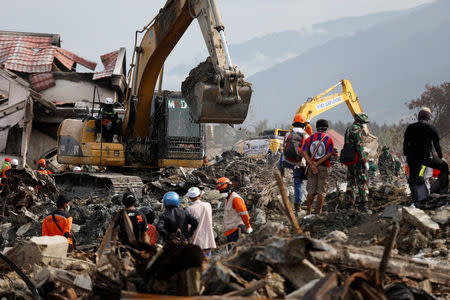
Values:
[(42, 167), (236, 214), (59, 222), (5, 167)]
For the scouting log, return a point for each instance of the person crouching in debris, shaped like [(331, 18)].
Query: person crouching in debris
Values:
[(419, 139), (59, 222), (317, 151), (236, 213), (138, 221), (42, 167), (202, 211), (175, 224), (151, 232)]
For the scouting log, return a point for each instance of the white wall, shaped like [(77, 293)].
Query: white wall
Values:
[(67, 91)]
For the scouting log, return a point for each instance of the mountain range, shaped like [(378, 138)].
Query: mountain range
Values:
[(389, 62)]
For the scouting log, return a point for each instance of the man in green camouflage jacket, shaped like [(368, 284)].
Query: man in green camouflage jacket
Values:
[(357, 175), (386, 165)]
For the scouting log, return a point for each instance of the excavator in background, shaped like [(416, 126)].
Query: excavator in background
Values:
[(269, 141), (260, 146), (165, 130), (323, 102)]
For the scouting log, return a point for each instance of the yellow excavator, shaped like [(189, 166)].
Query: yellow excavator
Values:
[(165, 130), (323, 102)]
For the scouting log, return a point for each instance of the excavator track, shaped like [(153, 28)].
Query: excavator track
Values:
[(97, 185)]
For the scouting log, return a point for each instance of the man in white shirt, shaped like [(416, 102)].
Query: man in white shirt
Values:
[(202, 211)]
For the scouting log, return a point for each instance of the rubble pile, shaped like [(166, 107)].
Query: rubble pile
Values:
[(392, 252)]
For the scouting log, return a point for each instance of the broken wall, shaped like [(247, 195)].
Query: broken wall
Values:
[(40, 143), (16, 113), (71, 88)]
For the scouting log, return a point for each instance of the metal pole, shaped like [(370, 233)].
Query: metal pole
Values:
[(225, 48), (220, 28)]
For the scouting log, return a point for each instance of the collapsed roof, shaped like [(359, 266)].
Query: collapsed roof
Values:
[(39, 55)]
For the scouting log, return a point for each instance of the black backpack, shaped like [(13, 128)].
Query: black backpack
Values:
[(349, 155), (292, 146)]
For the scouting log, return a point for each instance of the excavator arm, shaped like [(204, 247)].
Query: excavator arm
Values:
[(323, 102), (223, 102)]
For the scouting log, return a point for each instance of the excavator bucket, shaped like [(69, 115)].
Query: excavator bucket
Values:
[(207, 104)]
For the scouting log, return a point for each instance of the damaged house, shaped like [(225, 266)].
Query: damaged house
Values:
[(40, 86)]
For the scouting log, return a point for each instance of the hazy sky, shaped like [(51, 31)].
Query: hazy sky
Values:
[(92, 28)]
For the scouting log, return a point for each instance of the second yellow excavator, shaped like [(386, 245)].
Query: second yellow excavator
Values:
[(323, 102), (164, 131)]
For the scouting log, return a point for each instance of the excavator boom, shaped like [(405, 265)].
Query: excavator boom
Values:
[(221, 101)]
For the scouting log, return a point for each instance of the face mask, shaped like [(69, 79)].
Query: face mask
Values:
[(224, 195), (68, 207)]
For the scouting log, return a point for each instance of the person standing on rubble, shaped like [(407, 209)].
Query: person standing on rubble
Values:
[(235, 214), (418, 141), (138, 220), (357, 174), (386, 164), (291, 157), (202, 211), (175, 224), (59, 222), (107, 122), (317, 152), (42, 167)]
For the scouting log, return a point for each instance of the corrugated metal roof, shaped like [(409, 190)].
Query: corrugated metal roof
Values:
[(109, 62)]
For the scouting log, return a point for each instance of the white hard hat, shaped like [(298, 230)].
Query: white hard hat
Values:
[(76, 169), (14, 162), (109, 101), (193, 192)]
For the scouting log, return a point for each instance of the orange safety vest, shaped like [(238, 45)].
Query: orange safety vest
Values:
[(6, 168), (64, 220), (235, 214), (46, 172)]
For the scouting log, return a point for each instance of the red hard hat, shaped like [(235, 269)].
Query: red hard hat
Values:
[(8, 159), (223, 183), (42, 162)]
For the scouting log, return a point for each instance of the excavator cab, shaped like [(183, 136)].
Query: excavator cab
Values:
[(180, 140)]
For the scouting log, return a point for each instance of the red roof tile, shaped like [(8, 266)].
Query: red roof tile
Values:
[(42, 81), (34, 54), (109, 62)]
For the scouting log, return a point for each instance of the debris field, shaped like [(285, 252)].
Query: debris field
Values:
[(395, 252)]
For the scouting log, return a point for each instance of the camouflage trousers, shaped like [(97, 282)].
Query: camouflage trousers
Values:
[(357, 183)]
